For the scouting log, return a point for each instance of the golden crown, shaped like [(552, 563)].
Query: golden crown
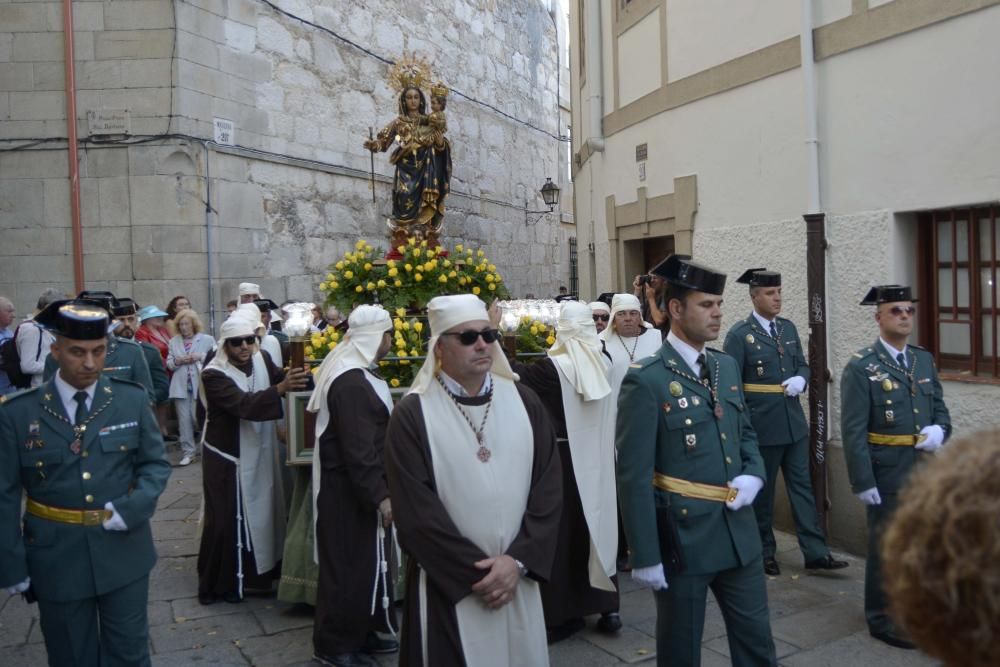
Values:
[(438, 89), (409, 71)]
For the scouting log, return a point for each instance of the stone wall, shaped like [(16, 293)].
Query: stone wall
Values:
[(295, 192)]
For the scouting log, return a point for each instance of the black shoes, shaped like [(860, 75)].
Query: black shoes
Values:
[(828, 562), (893, 639), (376, 644), (609, 623), (558, 633), (771, 567), (345, 660), (207, 598)]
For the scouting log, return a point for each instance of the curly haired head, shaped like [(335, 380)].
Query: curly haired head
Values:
[(941, 554)]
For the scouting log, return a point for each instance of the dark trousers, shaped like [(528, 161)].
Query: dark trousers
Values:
[(742, 596), (109, 630), (876, 601), (793, 461)]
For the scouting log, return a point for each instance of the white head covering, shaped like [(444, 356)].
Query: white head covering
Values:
[(251, 313), (249, 288), (577, 351), (366, 327), (599, 307), (447, 312), (234, 327), (620, 303)]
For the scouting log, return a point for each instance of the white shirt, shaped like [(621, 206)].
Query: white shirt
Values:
[(66, 393), (764, 323), (688, 353), (458, 390), (33, 351), (893, 351)]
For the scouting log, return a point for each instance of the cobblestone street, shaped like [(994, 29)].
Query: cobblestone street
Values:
[(816, 620)]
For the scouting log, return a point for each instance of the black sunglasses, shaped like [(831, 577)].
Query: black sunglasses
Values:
[(469, 337), (899, 310), (603, 318), (240, 342)]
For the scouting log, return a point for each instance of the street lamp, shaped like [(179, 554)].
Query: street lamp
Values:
[(550, 195)]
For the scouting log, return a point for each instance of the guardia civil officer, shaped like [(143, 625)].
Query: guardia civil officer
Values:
[(86, 450), (124, 358), (773, 363), (688, 473), (892, 413)]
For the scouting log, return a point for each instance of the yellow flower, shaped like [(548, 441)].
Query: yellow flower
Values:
[(408, 267), (468, 251), (322, 287), (480, 253), (397, 323), (335, 336), (431, 253), (334, 285), (418, 277), (368, 248), (416, 252), (459, 248), (368, 266), (330, 276), (402, 354), (414, 352), (404, 362), (452, 274), (442, 278), (393, 272), (462, 280), (476, 291), (383, 364), (498, 277), (359, 289), (419, 267), (401, 249), (400, 343), (328, 330), (394, 382), (423, 244), (406, 325), (418, 326), (332, 345), (381, 283), (446, 263), (550, 341), (370, 286), (398, 283), (315, 340), (391, 263), (339, 266), (349, 257), (359, 245), (309, 349), (411, 241), (490, 278), (348, 274), (493, 267), (401, 312), (492, 287), (533, 330)]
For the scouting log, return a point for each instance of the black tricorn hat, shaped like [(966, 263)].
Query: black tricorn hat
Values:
[(265, 305), (887, 294), (760, 278), (106, 299), (78, 319), (123, 307), (680, 270), (606, 297)]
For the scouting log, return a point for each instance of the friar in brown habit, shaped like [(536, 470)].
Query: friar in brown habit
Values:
[(475, 484)]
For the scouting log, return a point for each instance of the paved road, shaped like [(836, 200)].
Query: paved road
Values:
[(816, 619)]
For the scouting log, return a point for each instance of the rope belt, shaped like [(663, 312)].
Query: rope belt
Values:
[(697, 490), (763, 389), (60, 515), (896, 440)]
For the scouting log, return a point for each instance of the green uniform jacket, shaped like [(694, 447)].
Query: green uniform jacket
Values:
[(157, 371), (121, 461), (655, 433), (777, 418), (876, 397), (125, 360)]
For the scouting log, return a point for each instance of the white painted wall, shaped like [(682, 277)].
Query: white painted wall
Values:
[(639, 63)]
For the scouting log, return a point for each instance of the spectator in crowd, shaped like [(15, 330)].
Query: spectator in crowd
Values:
[(249, 292), (176, 305), (334, 318), (33, 342), (941, 554), (7, 314), (185, 357), (153, 330), (601, 313), (126, 323), (650, 289), (231, 306)]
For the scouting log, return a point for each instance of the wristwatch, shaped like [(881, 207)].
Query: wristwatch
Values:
[(521, 568)]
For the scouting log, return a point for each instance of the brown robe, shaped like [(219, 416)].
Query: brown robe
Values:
[(227, 405), (353, 484), (567, 594), (433, 542)]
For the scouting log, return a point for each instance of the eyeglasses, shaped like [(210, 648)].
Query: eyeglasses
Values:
[(469, 337), (603, 318), (240, 342), (899, 310)]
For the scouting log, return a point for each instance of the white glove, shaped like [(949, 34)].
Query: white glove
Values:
[(650, 577), (794, 385), (116, 522), (19, 588), (747, 486), (935, 438), (870, 497)]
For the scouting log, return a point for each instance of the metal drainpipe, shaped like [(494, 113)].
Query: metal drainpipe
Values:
[(819, 384), (72, 155), (208, 238)]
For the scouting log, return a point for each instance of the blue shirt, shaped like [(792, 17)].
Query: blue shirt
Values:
[(5, 386)]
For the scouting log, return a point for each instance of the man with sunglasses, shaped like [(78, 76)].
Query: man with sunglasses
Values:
[(474, 479), (244, 523), (892, 414), (601, 314), (773, 364)]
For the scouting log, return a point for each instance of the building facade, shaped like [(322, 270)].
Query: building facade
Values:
[(221, 140), (693, 133)]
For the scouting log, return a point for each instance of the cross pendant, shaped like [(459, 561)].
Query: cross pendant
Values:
[(75, 446)]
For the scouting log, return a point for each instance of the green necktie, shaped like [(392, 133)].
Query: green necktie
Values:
[(81, 407)]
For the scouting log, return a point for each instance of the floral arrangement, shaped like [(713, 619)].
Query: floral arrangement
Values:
[(321, 344), (409, 348), (534, 335), (418, 275)]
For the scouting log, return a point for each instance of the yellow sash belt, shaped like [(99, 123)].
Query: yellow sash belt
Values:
[(763, 389), (693, 489), (896, 440), (78, 517)]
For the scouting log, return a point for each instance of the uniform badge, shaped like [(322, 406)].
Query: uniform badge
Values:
[(695, 401), (666, 407), (107, 390), (760, 371), (872, 368), (676, 389), (33, 441), (683, 402), (750, 339), (887, 385), (890, 416), (690, 440)]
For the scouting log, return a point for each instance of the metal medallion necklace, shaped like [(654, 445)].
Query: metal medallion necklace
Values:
[(483, 453), (631, 355), (712, 386), (78, 429)]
